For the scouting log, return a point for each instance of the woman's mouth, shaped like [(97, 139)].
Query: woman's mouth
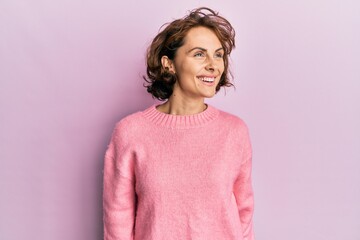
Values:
[(207, 79)]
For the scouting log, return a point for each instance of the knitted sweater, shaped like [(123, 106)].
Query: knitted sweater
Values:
[(178, 177)]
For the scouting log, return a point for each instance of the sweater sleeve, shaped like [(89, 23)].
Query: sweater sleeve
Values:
[(119, 201), (244, 193)]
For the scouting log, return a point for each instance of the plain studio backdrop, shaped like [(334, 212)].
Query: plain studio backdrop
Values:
[(70, 69)]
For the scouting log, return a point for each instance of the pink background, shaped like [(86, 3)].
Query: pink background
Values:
[(70, 69)]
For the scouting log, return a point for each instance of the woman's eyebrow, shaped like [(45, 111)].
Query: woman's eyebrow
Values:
[(203, 49)]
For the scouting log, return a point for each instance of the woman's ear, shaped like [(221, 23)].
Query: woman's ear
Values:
[(167, 64)]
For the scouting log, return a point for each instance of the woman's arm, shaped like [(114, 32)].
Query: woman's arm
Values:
[(119, 190), (244, 193)]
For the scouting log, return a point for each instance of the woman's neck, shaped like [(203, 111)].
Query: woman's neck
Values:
[(176, 106)]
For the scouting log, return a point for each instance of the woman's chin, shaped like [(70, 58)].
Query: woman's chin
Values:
[(209, 95)]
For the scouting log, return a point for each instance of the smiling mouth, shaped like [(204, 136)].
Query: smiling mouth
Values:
[(207, 79)]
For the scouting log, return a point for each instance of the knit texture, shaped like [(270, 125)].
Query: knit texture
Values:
[(172, 177)]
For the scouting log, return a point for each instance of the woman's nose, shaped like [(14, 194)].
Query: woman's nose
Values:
[(210, 66)]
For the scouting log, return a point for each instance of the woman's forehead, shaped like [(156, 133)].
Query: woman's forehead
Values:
[(202, 37)]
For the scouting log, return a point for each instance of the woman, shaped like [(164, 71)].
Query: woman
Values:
[(181, 170)]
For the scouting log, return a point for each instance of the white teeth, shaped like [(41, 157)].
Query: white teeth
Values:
[(207, 79)]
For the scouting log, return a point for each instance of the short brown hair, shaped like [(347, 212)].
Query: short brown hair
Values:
[(161, 81)]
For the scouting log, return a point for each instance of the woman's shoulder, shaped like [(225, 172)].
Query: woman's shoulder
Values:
[(235, 125), (232, 120), (130, 124), (129, 120)]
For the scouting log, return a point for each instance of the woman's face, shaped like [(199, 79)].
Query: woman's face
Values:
[(198, 64)]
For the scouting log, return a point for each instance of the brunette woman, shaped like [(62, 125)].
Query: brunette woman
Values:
[(182, 169)]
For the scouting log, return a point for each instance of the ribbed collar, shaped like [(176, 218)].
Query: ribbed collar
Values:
[(180, 121)]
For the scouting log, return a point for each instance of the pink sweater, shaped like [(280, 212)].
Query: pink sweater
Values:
[(169, 177)]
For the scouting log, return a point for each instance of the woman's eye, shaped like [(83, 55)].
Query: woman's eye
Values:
[(219, 55), (199, 54)]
